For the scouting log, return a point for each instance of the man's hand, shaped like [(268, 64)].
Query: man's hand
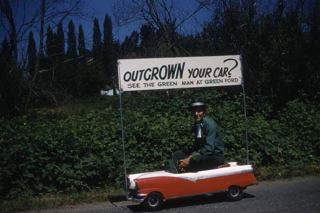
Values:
[(183, 163)]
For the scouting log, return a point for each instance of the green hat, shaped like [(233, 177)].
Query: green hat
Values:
[(196, 103)]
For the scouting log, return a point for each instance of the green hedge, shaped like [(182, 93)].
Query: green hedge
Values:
[(74, 153), (47, 151)]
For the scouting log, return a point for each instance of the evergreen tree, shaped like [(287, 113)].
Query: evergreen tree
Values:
[(72, 44), (81, 42), (109, 55), (9, 81), (59, 41), (50, 42), (32, 54), (148, 40), (5, 49), (107, 36), (313, 46), (97, 43), (5, 61), (129, 46)]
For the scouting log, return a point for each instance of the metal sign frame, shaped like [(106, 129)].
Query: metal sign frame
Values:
[(121, 112)]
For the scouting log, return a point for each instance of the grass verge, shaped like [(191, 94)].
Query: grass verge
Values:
[(54, 200)]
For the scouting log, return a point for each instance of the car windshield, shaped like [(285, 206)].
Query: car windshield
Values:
[(171, 169)]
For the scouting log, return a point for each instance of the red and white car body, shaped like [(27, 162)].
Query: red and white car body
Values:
[(152, 188)]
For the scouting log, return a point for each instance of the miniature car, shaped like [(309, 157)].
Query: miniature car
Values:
[(151, 189)]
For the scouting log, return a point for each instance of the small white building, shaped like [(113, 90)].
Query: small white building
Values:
[(109, 91)]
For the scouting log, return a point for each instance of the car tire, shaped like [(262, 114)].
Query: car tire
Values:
[(234, 193), (153, 202)]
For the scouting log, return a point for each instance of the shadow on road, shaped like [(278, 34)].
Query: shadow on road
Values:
[(191, 201)]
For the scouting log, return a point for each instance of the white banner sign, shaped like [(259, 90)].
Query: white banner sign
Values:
[(174, 73)]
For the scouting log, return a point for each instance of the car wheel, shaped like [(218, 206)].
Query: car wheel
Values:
[(235, 193), (154, 201)]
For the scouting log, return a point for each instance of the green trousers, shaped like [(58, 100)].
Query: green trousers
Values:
[(197, 162)]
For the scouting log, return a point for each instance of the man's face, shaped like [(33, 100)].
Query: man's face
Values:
[(198, 113)]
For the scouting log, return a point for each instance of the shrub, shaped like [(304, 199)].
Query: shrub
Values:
[(45, 151)]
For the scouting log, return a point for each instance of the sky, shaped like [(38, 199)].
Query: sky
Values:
[(99, 8), (94, 9)]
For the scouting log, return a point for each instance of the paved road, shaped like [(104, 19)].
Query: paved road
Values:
[(300, 195)]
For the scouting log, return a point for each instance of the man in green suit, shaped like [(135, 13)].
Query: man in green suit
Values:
[(208, 147)]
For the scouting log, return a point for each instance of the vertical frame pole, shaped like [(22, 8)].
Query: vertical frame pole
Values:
[(122, 135), (245, 112)]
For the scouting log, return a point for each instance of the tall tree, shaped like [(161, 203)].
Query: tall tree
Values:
[(148, 41), (109, 53), (313, 41), (129, 47), (72, 43), (59, 41), (17, 18), (32, 54), (81, 42), (107, 33), (50, 42), (11, 75), (9, 80), (5, 55), (7, 13), (97, 43)]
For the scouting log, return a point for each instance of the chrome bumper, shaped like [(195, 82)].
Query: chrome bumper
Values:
[(138, 198)]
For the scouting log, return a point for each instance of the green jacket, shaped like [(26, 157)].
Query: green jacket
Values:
[(210, 142)]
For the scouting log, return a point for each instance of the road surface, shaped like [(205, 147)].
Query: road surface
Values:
[(293, 195)]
